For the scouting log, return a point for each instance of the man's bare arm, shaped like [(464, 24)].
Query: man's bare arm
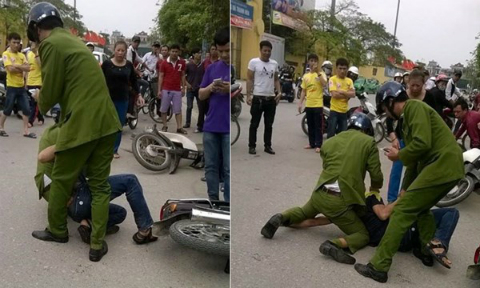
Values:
[(47, 154)]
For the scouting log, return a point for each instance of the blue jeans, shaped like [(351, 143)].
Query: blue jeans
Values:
[(191, 95), (127, 184), (18, 95), (337, 122), (395, 178), (217, 146), (446, 220), (121, 107)]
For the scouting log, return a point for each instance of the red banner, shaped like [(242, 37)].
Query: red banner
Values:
[(240, 22)]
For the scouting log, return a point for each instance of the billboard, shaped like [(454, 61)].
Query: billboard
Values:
[(291, 13), (278, 51), (241, 15)]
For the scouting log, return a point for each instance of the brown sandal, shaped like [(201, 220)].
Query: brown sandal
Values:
[(141, 239), (182, 131)]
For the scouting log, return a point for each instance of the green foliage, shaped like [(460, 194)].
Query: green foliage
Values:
[(349, 34), (15, 17), (189, 22)]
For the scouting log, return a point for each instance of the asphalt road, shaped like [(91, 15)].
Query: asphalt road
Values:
[(27, 262), (267, 184)]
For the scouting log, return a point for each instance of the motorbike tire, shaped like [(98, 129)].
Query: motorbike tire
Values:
[(299, 93), (152, 112), (379, 132), (466, 186), (304, 124), (234, 125), (383, 120), (193, 233), (144, 158), (237, 107), (147, 98)]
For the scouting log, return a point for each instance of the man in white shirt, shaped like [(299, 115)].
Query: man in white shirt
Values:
[(150, 60), (262, 80), (452, 92)]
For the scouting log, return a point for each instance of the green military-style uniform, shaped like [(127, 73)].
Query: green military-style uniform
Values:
[(49, 138), (346, 159), (88, 125), (434, 166)]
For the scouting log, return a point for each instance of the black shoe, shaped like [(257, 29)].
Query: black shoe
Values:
[(186, 126), (46, 235), (427, 260), (252, 151), (96, 255), (330, 249), (272, 225), (112, 230), (269, 150), (369, 272), (85, 232)]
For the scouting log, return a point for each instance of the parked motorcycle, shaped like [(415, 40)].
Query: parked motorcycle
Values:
[(3, 96), (287, 88), (235, 91), (199, 224), (464, 188), (326, 114), (158, 151), (236, 100), (368, 109)]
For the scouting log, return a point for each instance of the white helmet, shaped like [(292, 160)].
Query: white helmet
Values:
[(353, 69), (398, 74), (327, 63), (89, 44), (432, 79)]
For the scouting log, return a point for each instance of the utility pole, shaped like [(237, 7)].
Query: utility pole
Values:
[(332, 17), (75, 12), (396, 22), (271, 17)]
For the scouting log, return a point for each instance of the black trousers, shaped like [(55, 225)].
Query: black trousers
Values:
[(262, 105), (315, 126), (203, 106)]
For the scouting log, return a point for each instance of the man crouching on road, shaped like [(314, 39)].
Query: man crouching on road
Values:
[(340, 191)]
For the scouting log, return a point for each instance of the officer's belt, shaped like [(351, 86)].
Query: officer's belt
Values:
[(329, 191)]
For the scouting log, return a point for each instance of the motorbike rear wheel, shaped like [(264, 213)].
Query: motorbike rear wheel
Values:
[(305, 124), (148, 158), (202, 236), (152, 112), (379, 132), (459, 193), (234, 130)]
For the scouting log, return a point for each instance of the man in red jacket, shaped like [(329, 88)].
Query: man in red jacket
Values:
[(470, 121)]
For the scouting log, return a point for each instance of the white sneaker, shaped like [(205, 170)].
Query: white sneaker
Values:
[(156, 117)]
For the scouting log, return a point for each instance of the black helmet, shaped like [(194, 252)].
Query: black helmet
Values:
[(391, 89), (38, 13), (361, 122)]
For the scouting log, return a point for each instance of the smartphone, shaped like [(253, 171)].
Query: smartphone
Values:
[(218, 81)]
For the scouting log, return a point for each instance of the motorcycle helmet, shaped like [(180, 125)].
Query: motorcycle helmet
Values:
[(441, 77), (38, 13), (388, 91), (327, 64), (360, 121), (89, 44), (406, 74), (353, 70)]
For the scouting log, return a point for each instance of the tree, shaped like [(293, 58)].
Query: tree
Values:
[(15, 16), (189, 22)]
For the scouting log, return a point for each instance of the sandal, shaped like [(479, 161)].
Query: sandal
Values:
[(144, 239), (307, 147), (439, 257), (116, 155), (30, 135), (182, 131), (85, 232), (3, 133), (164, 129), (317, 150)]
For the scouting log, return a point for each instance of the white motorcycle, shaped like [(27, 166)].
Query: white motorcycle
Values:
[(158, 151), (464, 188)]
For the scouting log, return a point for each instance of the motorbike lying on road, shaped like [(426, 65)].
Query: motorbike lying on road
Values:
[(158, 151), (464, 188), (199, 224)]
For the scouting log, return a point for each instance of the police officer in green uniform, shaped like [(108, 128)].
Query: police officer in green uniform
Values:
[(340, 191), (89, 123), (434, 166)]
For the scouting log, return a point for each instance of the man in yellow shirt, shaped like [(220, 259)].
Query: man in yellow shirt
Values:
[(15, 64), (312, 87), (34, 81), (341, 90)]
